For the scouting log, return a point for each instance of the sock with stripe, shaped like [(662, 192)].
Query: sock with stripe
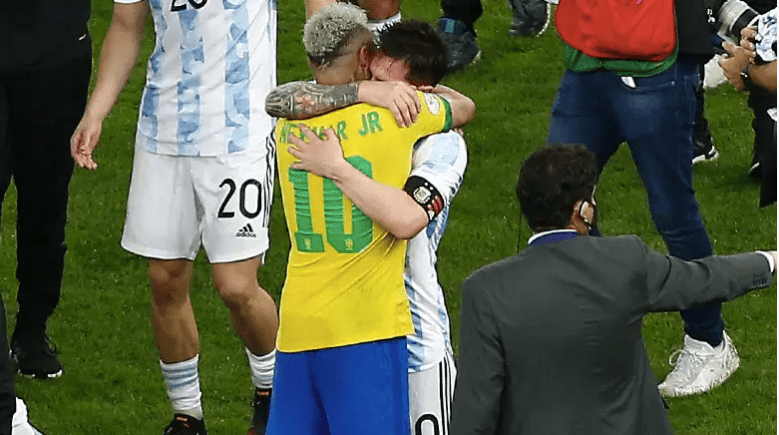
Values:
[(183, 385)]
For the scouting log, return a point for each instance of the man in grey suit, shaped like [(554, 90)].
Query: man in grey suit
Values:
[(550, 338)]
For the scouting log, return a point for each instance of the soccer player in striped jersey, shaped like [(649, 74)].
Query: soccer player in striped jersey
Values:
[(419, 212), (202, 175)]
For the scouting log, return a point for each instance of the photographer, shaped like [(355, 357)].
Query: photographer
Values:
[(752, 67)]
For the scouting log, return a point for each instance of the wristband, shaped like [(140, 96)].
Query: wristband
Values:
[(748, 84)]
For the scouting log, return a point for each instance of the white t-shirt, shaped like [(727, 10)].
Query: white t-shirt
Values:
[(440, 159), (213, 63)]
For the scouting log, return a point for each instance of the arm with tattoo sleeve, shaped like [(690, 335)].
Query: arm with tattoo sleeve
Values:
[(302, 100)]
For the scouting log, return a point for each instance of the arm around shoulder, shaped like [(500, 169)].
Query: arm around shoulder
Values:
[(389, 207)]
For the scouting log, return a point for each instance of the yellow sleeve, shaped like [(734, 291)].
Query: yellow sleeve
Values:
[(435, 116)]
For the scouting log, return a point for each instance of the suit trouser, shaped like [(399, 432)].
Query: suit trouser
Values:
[(656, 119), (39, 110)]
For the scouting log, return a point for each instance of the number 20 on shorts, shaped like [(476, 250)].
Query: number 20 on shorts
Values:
[(306, 240)]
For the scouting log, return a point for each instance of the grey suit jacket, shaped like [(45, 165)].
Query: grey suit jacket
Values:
[(551, 343)]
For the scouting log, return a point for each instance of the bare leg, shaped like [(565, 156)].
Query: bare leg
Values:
[(173, 321), (252, 310), (376, 9), (380, 9), (313, 6)]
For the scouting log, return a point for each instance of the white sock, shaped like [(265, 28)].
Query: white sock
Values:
[(377, 26), (183, 384), (262, 368)]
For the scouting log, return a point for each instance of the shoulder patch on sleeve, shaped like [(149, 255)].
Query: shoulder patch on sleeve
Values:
[(433, 104)]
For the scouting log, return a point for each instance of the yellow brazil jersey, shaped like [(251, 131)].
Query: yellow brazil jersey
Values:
[(344, 281)]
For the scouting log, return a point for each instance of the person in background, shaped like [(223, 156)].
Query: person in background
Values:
[(45, 65), (634, 80), (752, 67), (456, 26)]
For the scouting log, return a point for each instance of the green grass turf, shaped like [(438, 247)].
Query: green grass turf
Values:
[(112, 382)]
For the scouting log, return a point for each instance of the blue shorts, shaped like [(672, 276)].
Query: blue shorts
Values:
[(360, 389)]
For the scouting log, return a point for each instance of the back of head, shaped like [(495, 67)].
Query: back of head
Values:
[(419, 45), (334, 31), (552, 180)]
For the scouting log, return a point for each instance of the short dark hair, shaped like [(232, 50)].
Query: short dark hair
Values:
[(419, 45), (552, 180)]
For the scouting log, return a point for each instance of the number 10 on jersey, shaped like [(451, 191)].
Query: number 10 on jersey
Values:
[(306, 240)]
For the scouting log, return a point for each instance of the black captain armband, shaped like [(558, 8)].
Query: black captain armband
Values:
[(426, 195)]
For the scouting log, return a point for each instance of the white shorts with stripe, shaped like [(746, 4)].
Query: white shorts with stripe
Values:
[(177, 203), (430, 397)]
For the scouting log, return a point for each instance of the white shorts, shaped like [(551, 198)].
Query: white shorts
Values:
[(430, 395), (177, 202)]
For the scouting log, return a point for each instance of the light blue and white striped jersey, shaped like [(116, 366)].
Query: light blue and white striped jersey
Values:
[(440, 159), (213, 63)]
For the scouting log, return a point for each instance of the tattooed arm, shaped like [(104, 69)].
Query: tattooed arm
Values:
[(301, 100)]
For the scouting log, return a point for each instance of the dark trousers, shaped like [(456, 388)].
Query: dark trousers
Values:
[(701, 128), (39, 110), (760, 100), (7, 392), (656, 120), (467, 11)]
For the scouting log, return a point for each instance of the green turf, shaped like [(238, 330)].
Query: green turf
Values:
[(112, 382)]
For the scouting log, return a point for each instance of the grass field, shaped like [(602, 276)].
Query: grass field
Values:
[(112, 382)]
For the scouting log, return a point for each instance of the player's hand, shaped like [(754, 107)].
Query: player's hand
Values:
[(399, 97), (84, 141), (323, 157), (734, 63)]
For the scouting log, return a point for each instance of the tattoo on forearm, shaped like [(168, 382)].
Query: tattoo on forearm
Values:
[(301, 100)]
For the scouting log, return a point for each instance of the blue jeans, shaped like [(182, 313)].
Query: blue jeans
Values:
[(655, 117)]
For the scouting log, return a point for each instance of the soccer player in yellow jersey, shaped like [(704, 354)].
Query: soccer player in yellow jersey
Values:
[(342, 361), (437, 169)]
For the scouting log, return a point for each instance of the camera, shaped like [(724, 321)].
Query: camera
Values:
[(728, 18)]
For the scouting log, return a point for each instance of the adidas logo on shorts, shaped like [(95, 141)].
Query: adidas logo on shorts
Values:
[(246, 231)]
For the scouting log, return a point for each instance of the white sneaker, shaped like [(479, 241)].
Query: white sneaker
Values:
[(699, 367)]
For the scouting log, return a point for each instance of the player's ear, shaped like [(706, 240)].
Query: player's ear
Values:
[(364, 58)]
